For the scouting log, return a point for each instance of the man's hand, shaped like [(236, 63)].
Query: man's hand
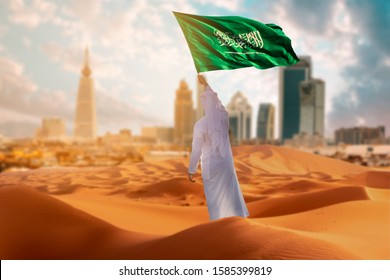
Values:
[(191, 177), (202, 80)]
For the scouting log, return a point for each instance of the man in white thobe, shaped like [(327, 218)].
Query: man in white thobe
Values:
[(211, 145)]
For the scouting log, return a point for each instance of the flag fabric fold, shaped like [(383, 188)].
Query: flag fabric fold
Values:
[(231, 42)]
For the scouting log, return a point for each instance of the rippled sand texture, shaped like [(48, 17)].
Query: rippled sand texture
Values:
[(302, 206)]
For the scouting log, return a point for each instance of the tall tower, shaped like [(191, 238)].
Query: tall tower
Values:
[(289, 96), (85, 121), (312, 96), (265, 122), (240, 117), (184, 115)]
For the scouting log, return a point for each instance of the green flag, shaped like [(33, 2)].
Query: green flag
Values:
[(231, 42)]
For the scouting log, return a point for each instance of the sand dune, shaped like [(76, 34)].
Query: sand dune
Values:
[(238, 238), (306, 201), (173, 191), (302, 206), (42, 227), (373, 179)]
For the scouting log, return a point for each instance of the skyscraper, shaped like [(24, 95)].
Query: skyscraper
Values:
[(265, 122), (289, 96), (184, 115), (312, 98), (85, 121), (240, 117)]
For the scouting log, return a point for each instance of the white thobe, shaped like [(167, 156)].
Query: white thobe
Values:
[(221, 187)]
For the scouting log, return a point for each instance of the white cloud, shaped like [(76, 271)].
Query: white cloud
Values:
[(12, 72), (142, 98), (331, 44), (113, 114), (360, 120), (22, 105), (72, 59), (169, 56), (342, 21), (88, 10), (182, 6), (231, 5), (386, 61), (39, 11), (137, 31), (8, 116), (353, 99), (26, 42), (3, 29), (21, 95)]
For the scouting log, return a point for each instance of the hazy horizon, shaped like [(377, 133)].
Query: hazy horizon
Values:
[(139, 55)]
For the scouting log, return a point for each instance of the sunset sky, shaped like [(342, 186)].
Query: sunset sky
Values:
[(139, 55)]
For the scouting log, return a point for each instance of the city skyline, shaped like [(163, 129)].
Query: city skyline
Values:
[(41, 45)]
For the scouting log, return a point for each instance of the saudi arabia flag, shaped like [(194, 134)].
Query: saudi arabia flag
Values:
[(231, 42)]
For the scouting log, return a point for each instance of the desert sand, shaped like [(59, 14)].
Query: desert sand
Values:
[(302, 206)]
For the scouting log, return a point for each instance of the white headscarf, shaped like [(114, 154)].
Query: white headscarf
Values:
[(217, 120)]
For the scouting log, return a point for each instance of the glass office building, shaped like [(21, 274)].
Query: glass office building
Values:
[(265, 122), (290, 79)]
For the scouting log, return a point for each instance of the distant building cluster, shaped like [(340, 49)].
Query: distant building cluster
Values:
[(162, 135), (301, 125), (122, 138), (52, 129), (239, 109), (360, 135)]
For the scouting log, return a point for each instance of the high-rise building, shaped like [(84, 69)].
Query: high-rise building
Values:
[(240, 117), (289, 96), (85, 121), (360, 135), (199, 113), (184, 115), (265, 122), (51, 129), (312, 115)]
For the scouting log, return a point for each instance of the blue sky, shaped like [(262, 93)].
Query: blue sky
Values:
[(139, 56)]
